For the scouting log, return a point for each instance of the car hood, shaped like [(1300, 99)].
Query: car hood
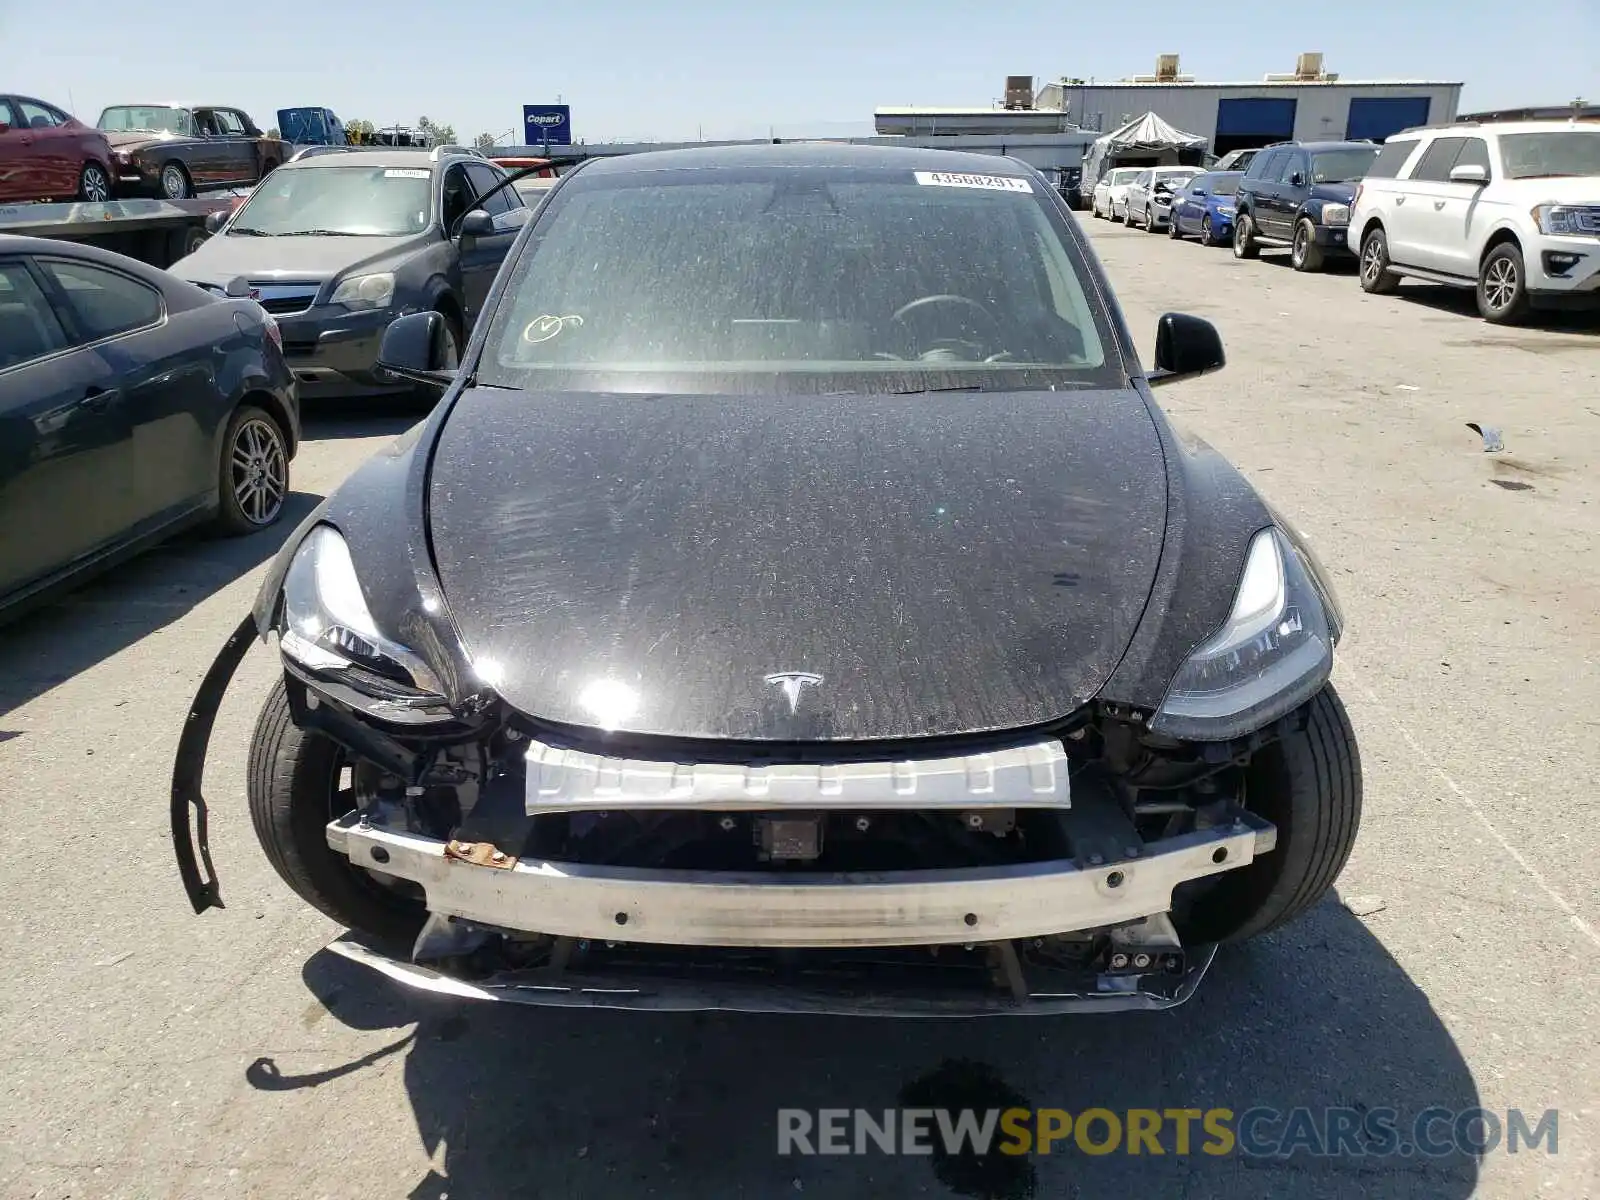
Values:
[(139, 140), (945, 564), (1552, 189), (1338, 193), (222, 258)]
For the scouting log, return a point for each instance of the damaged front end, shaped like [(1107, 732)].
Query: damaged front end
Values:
[(1038, 873)]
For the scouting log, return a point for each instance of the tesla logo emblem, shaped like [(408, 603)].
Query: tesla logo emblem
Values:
[(792, 683)]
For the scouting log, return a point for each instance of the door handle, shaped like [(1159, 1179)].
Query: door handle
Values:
[(1437, 205), (1399, 200), (98, 399)]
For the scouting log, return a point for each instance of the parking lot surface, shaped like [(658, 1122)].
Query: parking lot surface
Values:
[(149, 1052)]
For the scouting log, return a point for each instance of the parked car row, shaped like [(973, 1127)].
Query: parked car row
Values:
[(171, 151), (1510, 210)]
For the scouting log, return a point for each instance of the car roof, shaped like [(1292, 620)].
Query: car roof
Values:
[(1313, 147), (808, 154), (363, 156), (1482, 127)]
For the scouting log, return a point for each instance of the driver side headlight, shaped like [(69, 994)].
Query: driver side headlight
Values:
[(329, 630), (365, 291), (1272, 654)]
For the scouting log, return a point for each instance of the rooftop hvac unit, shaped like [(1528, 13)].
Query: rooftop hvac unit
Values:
[(1166, 68), (1308, 65), (1019, 91)]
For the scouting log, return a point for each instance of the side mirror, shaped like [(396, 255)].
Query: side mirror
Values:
[(1469, 174), (418, 347), (1197, 192), (476, 224), (5, 126), (215, 221), (1185, 346), (1296, 179)]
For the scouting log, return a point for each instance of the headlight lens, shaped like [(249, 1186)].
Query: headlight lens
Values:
[(1225, 210), (1568, 220), (1271, 655), (1336, 214), (365, 291), (328, 628)]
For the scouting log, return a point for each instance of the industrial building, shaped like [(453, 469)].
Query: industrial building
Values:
[(1309, 104)]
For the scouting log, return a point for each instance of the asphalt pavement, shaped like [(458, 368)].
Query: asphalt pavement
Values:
[(151, 1053)]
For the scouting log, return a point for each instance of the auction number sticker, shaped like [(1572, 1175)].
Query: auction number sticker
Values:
[(988, 183), (405, 173)]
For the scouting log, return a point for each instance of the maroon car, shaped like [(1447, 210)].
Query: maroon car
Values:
[(45, 154)]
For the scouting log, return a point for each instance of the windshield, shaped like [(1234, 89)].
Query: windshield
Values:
[(796, 279), (1541, 155), (1342, 166), (1224, 185), (358, 201), (147, 118), (1123, 175), (1174, 179)]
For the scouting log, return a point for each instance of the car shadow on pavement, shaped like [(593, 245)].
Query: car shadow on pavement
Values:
[(1464, 301), (557, 1102), (117, 609)]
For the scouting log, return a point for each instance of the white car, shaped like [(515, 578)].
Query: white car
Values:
[(1148, 200), (1111, 191), (1511, 209)]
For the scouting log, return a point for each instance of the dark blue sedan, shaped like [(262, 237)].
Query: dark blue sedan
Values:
[(1205, 207)]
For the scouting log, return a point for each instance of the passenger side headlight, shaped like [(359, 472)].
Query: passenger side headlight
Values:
[(365, 291), (329, 630), (1274, 652), (1336, 214)]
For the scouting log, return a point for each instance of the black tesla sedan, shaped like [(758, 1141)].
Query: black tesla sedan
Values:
[(132, 405), (797, 601)]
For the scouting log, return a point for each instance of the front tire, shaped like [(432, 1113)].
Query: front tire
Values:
[(1309, 786), (295, 783), (1173, 231), (1150, 221), (1244, 237), (175, 182), (1503, 286), (1208, 233), (1304, 253), (94, 185)]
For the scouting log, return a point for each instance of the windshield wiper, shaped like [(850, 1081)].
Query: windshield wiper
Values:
[(318, 233), (249, 231), (954, 387)]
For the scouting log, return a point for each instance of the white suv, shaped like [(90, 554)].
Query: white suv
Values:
[(1511, 209)]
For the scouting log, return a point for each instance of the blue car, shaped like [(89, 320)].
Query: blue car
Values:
[(1205, 207)]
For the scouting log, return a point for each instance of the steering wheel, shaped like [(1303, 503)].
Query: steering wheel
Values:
[(950, 348)]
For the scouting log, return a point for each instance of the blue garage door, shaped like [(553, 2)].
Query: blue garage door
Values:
[(1270, 120), (1377, 118)]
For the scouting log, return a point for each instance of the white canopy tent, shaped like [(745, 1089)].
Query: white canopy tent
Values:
[(1147, 141)]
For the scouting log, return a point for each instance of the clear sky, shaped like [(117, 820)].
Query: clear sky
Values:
[(680, 69)]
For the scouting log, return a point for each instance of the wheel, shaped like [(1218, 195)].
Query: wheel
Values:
[(1304, 253), (1502, 286), (1208, 235), (175, 183), (94, 185), (1376, 277), (296, 784), (1150, 221), (254, 474), (1244, 237), (1309, 786), (1172, 227)]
